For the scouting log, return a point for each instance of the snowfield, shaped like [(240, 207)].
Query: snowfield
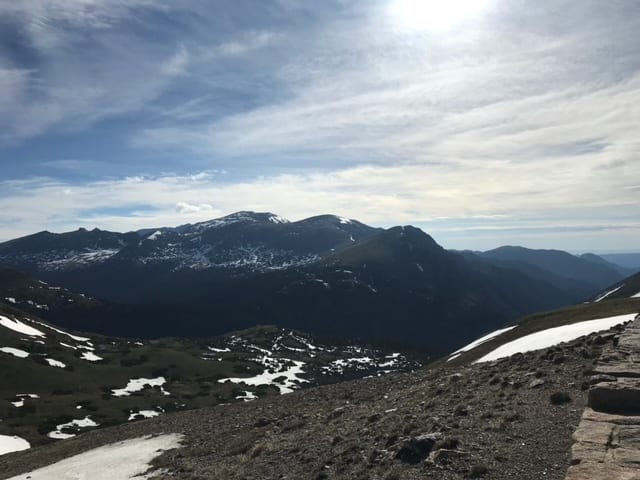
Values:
[(10, 444), (18, 326), (119, 461), (287, 379), (554, 336), (478, 342)]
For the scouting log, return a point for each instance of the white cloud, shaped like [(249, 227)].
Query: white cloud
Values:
[(250, 41), (184, 207), (177, 63), (460, 211)]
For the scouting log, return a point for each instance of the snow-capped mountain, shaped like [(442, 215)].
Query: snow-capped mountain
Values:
[(327, 275), (246, 241)]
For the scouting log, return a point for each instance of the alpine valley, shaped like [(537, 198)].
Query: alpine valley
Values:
[(325, 275)]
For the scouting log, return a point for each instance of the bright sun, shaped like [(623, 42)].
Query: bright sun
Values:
[(435, 14)]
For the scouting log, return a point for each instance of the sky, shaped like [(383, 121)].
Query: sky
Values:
[(484, 122)]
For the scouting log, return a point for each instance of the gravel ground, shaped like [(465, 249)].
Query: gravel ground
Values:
[(511, 419)]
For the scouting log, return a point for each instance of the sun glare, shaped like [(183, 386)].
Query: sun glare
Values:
[(435, 14)]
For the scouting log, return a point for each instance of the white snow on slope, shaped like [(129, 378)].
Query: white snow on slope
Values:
[(637, 295), (219, 350), (606, 294), (91, 357), (16, 352), (127, 460), (137, 384), (11, 300), (285, 385), (62, 332), (58, 434), (479, 341), (247, 396), (554, 336), (278, 219), (22, 396), (143, 413), (18, 326), (154, 235), (10, 444), (55, 363)]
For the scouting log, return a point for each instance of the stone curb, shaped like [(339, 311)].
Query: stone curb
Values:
[(607, 441)]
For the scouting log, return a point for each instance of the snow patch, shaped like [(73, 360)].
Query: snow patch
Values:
[(154, 235), (606, 294), (478, 342), (247, 396), (91, 357), (637, 295), (144, 414), (62, 332), (58, 433), (10, 444), (219, 350), (55, 363), (16, 352), (278, 219), (553, 336), (138, 384), (287, 379), (11, 300), (18, 326), (126, 460)]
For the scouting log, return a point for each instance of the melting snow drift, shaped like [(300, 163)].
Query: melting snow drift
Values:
[(122, 461), (138, 384), (479, 341), (553, 336), (16, 352), (18, 326), (12, 444)]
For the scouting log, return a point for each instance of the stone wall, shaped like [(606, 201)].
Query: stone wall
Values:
[(607, 441)]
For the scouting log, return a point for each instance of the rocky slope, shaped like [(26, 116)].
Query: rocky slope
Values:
[(499, 421), (504, 419)]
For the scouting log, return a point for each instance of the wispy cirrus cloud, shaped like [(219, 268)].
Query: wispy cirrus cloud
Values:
[(516, 122)]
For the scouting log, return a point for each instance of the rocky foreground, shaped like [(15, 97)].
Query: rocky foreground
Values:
[(510, 419)]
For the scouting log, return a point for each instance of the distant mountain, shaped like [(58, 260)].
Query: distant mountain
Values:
[(583, 276), (241, 243), (625, 260), (602, 261), (326, 275)]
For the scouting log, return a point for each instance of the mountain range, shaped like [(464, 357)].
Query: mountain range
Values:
[(326, 275)]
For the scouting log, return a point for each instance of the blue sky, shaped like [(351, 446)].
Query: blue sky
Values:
[(485, 122)]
